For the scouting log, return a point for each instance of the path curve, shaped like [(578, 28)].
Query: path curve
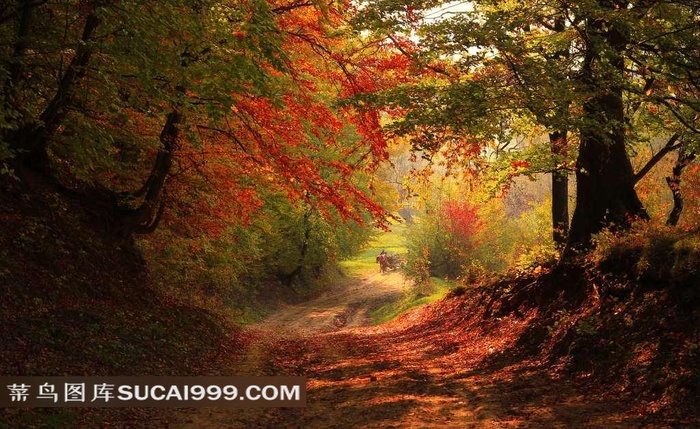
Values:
[(349, 304)]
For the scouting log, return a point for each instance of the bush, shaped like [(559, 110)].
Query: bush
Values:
[(652, 253), (465, 241), (442, 242)]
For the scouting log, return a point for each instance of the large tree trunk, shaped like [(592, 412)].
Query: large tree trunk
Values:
[(605, 195), (560, 192)]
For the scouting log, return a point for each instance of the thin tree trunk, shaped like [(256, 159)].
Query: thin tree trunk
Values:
[(146, 218), (560, 192), (32, 140), (674, 183), (289, 279), (14, 65), (15, 69)]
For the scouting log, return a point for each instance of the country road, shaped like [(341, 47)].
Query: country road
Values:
[(347, 305)]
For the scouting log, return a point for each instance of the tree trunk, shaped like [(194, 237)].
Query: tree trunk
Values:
[(15, 68), (674, 183), (605, 195), (558, 146), (289, 279), (31, 141), (151, 209), (145, 218), (560, 192)]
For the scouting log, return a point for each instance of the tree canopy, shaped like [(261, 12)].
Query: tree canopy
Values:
[(206, 106), (138, 99), (596, 70)]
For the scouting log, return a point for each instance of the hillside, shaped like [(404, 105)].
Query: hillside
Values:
[(76, 303)]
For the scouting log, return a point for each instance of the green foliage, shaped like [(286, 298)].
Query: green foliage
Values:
[(433, 251), (428, 254), (161, 55), (534, 245), (300, 241), (285, 246), (419, 267), (497, 72), (518, 242)]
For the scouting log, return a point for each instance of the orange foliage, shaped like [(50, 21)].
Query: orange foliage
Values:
[(299, 145)]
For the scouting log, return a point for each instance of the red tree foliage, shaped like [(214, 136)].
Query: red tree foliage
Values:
[(306, 144), (461, 219)]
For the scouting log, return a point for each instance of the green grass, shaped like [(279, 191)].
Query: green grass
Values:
[(438, 290)]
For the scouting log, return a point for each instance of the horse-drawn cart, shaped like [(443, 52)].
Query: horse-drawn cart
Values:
[(389, 262)]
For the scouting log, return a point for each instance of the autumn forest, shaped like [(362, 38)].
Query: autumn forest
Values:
[(441, 213)]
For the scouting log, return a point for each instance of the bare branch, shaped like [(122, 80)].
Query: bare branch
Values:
[(668, 147)]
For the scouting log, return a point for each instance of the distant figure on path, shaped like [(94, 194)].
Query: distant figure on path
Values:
[(382, 260)]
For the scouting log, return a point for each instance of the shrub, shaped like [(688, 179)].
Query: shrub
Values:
[(650, 252), (443, 241)]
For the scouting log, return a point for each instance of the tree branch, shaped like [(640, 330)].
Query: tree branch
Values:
[(674, 183), (54, 112), (668, 147), (403, 51), (291, 6)]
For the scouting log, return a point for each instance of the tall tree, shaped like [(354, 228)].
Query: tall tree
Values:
[(604, 176)]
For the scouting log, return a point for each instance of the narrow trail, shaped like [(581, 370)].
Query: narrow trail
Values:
[(348, 305), (435, 367)]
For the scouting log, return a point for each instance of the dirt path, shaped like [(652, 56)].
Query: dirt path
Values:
[(437, 366), (349, 305)]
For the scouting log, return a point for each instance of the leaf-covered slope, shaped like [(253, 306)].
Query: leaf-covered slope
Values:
[(73, 302)]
